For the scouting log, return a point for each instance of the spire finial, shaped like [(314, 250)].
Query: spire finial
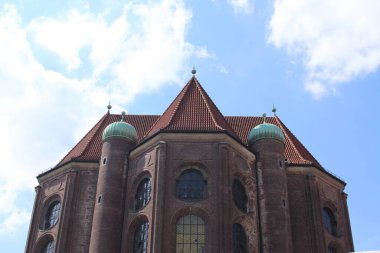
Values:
[(109, 106), (122, 115), (274, 110), (194, 71), (264, 117)]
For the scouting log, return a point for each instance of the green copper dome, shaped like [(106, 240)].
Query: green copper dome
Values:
[(265, 131), (120, 129)]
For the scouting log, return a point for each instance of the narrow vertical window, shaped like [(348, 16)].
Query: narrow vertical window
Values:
[(140, 241), (191, 186), (239, 239), (49, 247), (239, 196), (190, 235), (329, 221), (52, 214), (331, 250), (142, 196)]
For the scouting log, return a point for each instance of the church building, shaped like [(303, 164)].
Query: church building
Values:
[(189, 181)]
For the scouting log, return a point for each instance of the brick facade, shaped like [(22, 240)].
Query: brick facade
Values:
[(286, 189)]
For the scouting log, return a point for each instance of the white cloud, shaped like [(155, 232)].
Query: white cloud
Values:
[(241, 6), (336, 40), (141, 50)]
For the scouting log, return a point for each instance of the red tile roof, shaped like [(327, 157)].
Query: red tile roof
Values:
[(295, 152), (191, 111), (90, 147)]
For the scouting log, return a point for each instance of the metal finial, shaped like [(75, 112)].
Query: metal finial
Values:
[(274, 110), (194, 71), (122, 115), (109, 106), (264, 117)]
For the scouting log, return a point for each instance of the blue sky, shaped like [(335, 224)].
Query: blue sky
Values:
[(62, 61)]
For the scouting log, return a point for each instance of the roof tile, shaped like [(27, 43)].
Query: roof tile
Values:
[(191, 111)]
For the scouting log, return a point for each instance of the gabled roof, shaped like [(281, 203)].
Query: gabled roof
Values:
[(192, 111)]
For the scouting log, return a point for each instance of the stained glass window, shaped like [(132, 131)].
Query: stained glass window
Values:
[(49, 248), (239, 239), (142, 196), (239, 195), (52, 214), (329, 221), (140, 242), (191, 186), (190, 236)]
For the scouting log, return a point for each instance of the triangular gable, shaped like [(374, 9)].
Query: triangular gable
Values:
[(192, 111)]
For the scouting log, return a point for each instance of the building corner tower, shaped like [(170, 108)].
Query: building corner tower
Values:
[(118, 138), (267, 141)]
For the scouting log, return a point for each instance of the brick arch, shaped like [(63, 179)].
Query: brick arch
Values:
[(248, 223), (131, 197), (249, 184), (248, 181), (334, 244), (42, 241), (132, 229), (45, 207), (189, 210), (205, 171)]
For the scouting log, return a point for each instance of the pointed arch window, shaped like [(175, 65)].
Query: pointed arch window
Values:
[(190, 235), (191, 186), (52, 214), (140, 241), (239, 239), (49, 247), (142, 196), (239, 196), (329, 221)]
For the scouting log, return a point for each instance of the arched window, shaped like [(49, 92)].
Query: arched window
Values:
[(52, 214), (329, 221), (49, 247), (191, 186), (190, 236), (239, 195), (239, 239), (142, 196), (331, 249), (140, 241)]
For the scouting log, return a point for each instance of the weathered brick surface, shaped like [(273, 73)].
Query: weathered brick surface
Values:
[(82, 212), (284, 204)]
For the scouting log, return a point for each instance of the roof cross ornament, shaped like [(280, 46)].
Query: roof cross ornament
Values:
[(109, 106), (122, 115), (194, 71), (264, 117), (274, 110)]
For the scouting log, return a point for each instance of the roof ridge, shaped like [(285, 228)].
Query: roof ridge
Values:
[(208, 100), (93, 139), (97, 127), (180, 97), (291, 143), (203, 93), (286, 131)]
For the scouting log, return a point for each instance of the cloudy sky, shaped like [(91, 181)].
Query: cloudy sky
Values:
[(63, 61)]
